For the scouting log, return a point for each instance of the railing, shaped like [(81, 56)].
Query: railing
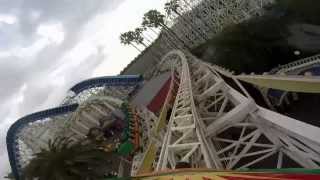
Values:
[(183, 119), (296, 64), (20, 124), (124, 80), (207, 174), (121, 80)]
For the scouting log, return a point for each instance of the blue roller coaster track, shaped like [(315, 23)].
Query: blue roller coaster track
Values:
[(12, 134)]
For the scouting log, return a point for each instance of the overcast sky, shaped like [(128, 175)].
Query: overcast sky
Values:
[(47, 46)]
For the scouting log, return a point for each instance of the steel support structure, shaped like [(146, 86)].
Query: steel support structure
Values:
[(213, 125), (185, 140)]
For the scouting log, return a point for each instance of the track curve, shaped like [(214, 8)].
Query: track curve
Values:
[(15, 128)]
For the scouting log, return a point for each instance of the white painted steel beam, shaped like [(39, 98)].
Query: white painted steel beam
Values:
[(226, 127)]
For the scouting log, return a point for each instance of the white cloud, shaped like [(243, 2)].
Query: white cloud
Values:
[(54, 45), (126, 17), (8, 19), (29, 51), (35, 15), (53, 32), (47, 34)]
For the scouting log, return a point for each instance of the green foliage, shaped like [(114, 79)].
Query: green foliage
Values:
[(137, 33), (127, 38), (261, 43), (171, 6), (250, 46), (153, 18), (63, 160)]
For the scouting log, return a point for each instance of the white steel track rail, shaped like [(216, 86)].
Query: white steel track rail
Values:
[(184, 140), (247, 135), (213, 125)]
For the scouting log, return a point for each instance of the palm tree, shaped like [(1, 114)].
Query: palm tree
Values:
[(127, 38), (170, 41), (172, 7), (140, 33), (66, 160), (138, 37), (151, 35), (154, 18)]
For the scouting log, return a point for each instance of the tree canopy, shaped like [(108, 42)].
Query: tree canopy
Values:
[(65, 160), (153, 18), (261, 43), (171, 6)]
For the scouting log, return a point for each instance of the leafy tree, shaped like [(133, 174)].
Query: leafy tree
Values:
[(128, 38), (145, 36), (253, 46), (172, 6), (154, 18), (261, 43), (66, 160), (138, 38)]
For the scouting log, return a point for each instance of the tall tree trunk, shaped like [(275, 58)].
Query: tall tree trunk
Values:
[(169, 42), (175, 36), (147, 39), (155, 54), (191, 26), (136, 47), (154, 31), (171, 39), (143, 44)]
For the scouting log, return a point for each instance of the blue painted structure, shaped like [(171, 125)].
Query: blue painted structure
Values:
[(314, 70), (11, 139), (121, 80)]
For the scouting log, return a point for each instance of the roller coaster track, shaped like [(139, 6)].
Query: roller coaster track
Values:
[(209, 174), (281, 81), (70, 105), (211, 125), (309, 61), (214, 126), (157, 132)]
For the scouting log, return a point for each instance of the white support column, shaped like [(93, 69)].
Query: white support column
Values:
[(184, 135), (221, 128), (95, 107), (90, 118)]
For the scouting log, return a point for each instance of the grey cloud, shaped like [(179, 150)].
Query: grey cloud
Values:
[(38, 93), (34, 72), (13, 71), (12, 76), (72, 13)]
